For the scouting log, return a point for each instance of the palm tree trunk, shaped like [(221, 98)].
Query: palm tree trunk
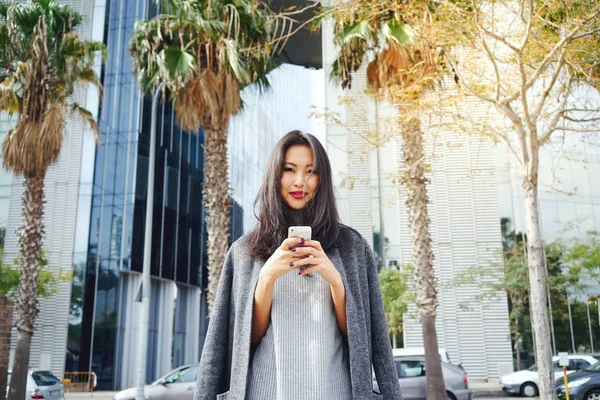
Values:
[(538, 282), (31, 245), (426, 293), (517, 345), (216, 203)]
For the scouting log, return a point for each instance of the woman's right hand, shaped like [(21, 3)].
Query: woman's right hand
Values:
[(282, 260)]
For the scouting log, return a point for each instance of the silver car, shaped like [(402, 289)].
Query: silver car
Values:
[(42, 385), (178, 384), (411, 375)]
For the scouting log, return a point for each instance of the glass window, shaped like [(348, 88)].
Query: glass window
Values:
[(182, 375), (44, 378), (556, 366), (410, 368), (580, 364)]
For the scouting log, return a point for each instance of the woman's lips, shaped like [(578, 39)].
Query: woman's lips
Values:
[(298, 195)]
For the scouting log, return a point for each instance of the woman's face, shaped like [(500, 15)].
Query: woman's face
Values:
[(298, 182)]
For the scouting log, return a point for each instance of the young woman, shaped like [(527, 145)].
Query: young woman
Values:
[(298, 319)]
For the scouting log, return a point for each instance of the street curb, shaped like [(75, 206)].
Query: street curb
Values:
[(488, 393)]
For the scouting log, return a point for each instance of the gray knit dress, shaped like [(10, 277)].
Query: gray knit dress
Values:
[(303, 355)]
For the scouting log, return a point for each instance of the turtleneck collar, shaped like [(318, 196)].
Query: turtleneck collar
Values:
[(294, 217)]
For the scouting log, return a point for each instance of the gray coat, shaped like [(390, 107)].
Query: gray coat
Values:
[(227, 351)]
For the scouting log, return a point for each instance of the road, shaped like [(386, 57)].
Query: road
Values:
[(109, 396)]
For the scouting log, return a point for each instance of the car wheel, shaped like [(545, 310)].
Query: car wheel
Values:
[(453, 397), (593, 394), (529, 389)]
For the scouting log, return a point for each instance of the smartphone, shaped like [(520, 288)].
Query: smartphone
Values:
[(303, 232), (300, 231)]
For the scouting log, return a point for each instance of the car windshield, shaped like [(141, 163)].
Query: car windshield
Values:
[(532, 368), (44, 378), (594, 367)]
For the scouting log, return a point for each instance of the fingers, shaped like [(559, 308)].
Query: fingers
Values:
[(305, 251), (313, 243), (288, 243), (306, 261), (311, 269)]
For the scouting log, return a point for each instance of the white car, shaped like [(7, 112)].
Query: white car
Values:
[(42, 385), (525, 382), (420, 351), (178, 384)]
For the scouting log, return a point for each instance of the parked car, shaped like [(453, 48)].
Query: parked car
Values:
[(420, 351), (41, 385), (411, 375), (525, 382), (583, 385), (178, 384)]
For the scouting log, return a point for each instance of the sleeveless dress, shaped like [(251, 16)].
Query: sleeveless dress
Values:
[(303, 355)]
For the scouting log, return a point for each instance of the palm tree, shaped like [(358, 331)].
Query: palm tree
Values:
[(206, 52), (42, 60), (402, 70)]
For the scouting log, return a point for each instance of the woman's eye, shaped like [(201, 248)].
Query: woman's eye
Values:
[(288, 170)]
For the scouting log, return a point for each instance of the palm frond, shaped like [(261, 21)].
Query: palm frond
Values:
[(43, 59), (176, 63), (361, 30), (401, 34), (232, 59), (89, 118), (10, 101)]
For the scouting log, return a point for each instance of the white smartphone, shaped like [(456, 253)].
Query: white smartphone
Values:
[(300, 231)]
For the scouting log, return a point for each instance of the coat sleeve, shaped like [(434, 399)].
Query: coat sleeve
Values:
[(383, 360), (214, 372)]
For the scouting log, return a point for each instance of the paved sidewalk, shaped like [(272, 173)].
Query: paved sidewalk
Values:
[(93, 395), (481, 390), (487, 389)]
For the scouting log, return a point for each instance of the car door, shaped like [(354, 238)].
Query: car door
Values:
[(411, 374), (181, 386), (558, 370)]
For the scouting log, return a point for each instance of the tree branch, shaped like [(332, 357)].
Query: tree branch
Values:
[(544, 64), (464, 81), (517, 123), (494, 133), (540, 105), (494, 64), (543, 139)]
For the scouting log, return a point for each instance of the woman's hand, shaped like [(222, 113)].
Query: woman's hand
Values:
[(312, 253), (283, 260)]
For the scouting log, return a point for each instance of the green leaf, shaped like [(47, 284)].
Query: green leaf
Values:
[(360, 30), (402, 34), (178, 63), (233, 59)]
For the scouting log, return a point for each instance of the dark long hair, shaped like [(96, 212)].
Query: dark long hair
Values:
[(320, 212)]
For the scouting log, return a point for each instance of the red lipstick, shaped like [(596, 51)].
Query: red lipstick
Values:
[(298, 195)]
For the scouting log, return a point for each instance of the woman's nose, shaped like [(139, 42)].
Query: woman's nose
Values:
[(299, 180)]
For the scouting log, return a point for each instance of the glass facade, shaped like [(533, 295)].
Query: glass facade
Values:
[(117, 191)]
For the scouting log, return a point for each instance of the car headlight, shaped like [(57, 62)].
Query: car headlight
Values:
[(578, 382)]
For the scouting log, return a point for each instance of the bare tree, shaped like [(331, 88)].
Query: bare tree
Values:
[(536, 65)]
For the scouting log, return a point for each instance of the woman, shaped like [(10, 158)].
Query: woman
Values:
[(298, 319)]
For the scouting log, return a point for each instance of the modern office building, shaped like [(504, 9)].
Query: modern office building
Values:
[(95, 214), (96, 199)]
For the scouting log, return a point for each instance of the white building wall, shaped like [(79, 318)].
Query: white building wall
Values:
[(265, 118), (61, 190), (464, 212)]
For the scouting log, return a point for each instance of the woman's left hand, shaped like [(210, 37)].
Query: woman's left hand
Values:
[(314, 255)]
